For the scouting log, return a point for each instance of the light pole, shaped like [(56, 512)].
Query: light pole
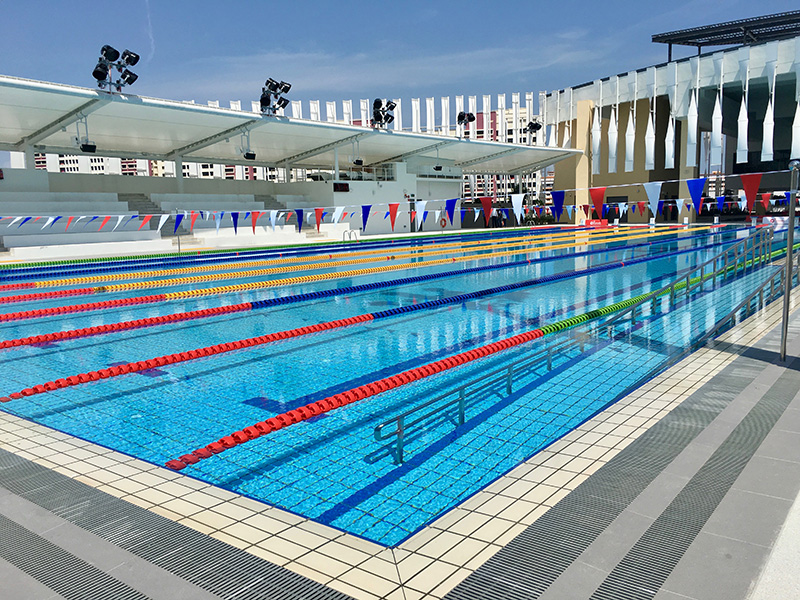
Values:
[(794, 168)]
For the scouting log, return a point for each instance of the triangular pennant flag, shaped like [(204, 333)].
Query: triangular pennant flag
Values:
[(641, 206), (660, 208), (516, 204), (424, 216), (386, 216), (145, 221), (254, 219), (653, 191), (750, 183), (558, 203), (25, 220), (318, 215), (194, 216), (299, 213), (463, 213), (16, 219), (450, 207), (218, 220), (273, 214), (765, 198), (393, 213), (622, 207), (634, 206), (79, 219), (720, 203), (161, 220), (50, 221), (85, 224), (477, 214), (365, 215), (696, 187), (506, 214), (412, 216), (337, 213), (57, 218), (486, 203), (570, 209), (178, 219), (436, 214), (69, 222), (597, 194), (420, 207), (119, 220)]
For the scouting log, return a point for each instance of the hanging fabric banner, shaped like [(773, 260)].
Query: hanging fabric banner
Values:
[(750, 183), (50, 221), (420, 206), (630, 141), (235, 219), (669, 144), (299, 213), (273, 215), (450, 208), (570, 209), (161, 221), (337, 213), (769, 130), (596, 137), (486, 203), (145, 221), (558, 203), (741, 128), (650, 145), (194, 216), (612, 141), (254, 219), (318, 216), (716, 134), (393, 213), (597, 194), (365, 215), (653, 191), (178, 219), (696, 187), (516, 204), (720, 203)]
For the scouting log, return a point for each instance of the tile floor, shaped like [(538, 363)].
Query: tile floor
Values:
[(436, 559)]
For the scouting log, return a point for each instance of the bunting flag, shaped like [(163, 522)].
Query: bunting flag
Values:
[(145, 221), (696, 187), (558, 203), (436, 214), (84, 225), (743, 204), (653, 191), (477, 214), (69, 222), (161, 221), (218, 220), (386, 216), (516, 204), (79, 219), (450, 208), (660, 207), (570, 209), (765, 198), (597, 194), (25, 220), (486, 203), (633, 208), (102, 224), (412, 216), (50, 221), (318, 215), (421, 204), (193, 217), (273, 214), (622, 207), (506, 214), (750, 183), (178, 219), (720, 203), (463, 213), (57, 218), (365, 215), (119, 220), (299, 213), (393, 213), (15, 220), (337, 213), (641, 206), (254, 219)]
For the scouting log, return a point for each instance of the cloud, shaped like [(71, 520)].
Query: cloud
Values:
[(152, 52)]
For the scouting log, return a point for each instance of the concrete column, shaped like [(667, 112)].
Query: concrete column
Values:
[(179, 173)]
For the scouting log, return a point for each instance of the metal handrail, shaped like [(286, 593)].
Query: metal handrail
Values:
[(401, 423)]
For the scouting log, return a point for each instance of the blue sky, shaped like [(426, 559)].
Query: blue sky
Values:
[(224, 50)]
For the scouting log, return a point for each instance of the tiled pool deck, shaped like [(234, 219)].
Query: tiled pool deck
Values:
[(719, 556)]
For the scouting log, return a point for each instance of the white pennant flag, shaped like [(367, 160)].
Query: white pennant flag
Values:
[(337, 214), (741, 129), (653, 191), (516, 203), (119, 220), (217, 220), (477, 213), (769, 129), (49, 221), (421, 204), (436, 216), (612, 142), (14, 221), (691, 133), (161, 221), (669, 144), (596, 137), (650, 145), (273, 214), (716, 134)]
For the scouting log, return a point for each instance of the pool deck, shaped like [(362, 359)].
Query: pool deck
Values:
[(685, 489)]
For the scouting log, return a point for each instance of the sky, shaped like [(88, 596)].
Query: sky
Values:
[(224, 50)]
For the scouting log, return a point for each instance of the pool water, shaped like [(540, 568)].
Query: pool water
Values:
[(331, 469)]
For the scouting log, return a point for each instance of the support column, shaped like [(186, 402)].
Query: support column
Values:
[(179, 173), (336, 164)]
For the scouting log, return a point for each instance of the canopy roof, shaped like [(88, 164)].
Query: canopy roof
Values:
[(744, 31), (45, 116)]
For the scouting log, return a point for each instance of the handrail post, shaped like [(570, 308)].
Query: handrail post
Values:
[(549, 359), (461, 401), (400, 435), (508, 380)]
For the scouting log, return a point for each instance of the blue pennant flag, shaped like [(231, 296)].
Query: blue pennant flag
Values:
[(696, 187), (450, 207), (299, 213), (558, 204), (365, 215), (178, 219)]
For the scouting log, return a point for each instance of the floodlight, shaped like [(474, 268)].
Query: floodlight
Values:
[(285, 87), (282, 103), (100, 71), (390, 105), (358, 162), (533, 127), (377, 117), (470, 117), (461, 118), (273, 87), (387, 118), (249, 155), (88, 147), (377, 104), (266, 100), (130, 58), (128, 77), (437, 167), (109, 53)]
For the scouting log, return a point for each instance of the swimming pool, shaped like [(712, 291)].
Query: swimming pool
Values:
[(327, 468)]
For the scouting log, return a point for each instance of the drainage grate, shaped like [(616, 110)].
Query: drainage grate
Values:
[(206, 562), (56, 568), (531, 562)]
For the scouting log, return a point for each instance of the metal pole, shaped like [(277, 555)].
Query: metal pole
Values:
[(794, 167)]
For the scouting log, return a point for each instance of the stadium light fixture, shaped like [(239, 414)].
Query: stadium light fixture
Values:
[(271, 100), (465, 117), (109, 60), (382, 112)]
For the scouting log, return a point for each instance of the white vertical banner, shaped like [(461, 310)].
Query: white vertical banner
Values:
[(650, 145), (769, 129), (364, 112), (502, 128), (313, 110), (297, 109), (430, 117), (716, 133), (487, 117), (330, 112), (398, 115), (691, 132), (415, 116), (459, 108), (515, 117), (473, 126), (741, 132), (669, 144), (596, 136), (630, 139), (347, 111), (445, 115), (795, 153), (612, 141)]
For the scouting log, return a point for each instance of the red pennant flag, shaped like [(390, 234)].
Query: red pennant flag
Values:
[(318, 214), (36, 219), (413, 215), (393, 212), (750, 183), (103, 224), (586, 209), (254, 218), (598, 193), (194, 216), (486, 203), (146, 220), (69, 222), (765, 198), (641, 206)]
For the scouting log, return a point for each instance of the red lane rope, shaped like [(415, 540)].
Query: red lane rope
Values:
[(125, 325), (361, 392), (170, 359), (59, 310), (47, 295)]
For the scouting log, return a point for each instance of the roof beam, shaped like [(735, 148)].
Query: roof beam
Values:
[(213, 139), (405, 155), (322, 149), (539, 164), (483, 159), (63, 121)]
